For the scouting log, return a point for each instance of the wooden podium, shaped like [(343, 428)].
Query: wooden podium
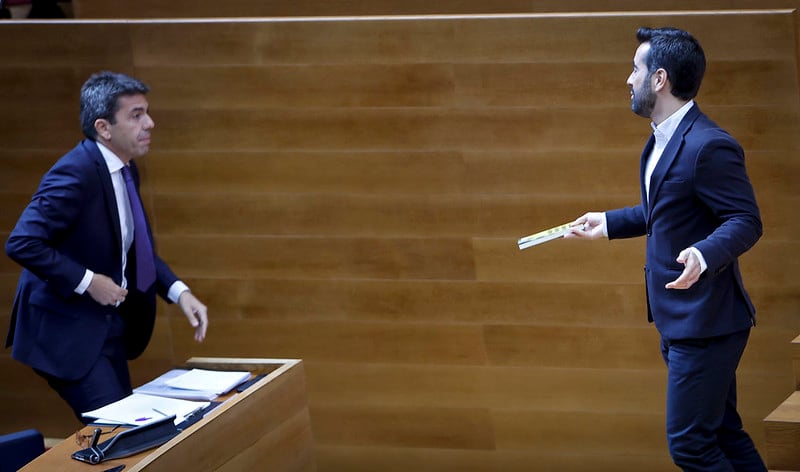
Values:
[(266, 427)]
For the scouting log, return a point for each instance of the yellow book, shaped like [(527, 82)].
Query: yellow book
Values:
[(543, 236)]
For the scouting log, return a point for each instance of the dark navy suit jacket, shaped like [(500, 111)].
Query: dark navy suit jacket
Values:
[(700, 196), (72, 224)]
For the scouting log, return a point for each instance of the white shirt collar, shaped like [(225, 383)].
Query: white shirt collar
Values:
[(113, 162), (664, 131)]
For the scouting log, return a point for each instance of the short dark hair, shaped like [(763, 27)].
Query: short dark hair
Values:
[(99, 96), (680, 54)]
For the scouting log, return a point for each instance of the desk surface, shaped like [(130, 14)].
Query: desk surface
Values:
[(273, 407)]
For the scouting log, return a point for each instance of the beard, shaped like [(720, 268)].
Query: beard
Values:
[(644, 100)]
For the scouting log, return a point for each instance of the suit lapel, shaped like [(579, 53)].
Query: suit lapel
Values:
[(108, 190), (669, 155)]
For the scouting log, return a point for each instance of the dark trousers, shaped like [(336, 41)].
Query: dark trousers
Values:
[(704, 430), (108, 380)]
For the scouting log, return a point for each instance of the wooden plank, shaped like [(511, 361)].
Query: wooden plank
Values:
[(782, 428), (596, 432), (293, 447), (431, 39), (468, 85), (324, 172), (776, 306), (521, 387), (496, 387), (560, 260), (305, 85), (757, 128), (27, 86), (457, 428), (564, 84), (397, 301), (554, 346), (512, 172), (63, 128), (23, 169), (315, 257), (457, 216), (34, 41), (796, 361), (379, 342), (251, 8), (398, 459)]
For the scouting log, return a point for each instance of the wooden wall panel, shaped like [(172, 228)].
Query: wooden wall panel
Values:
[(367, 459), (543, 303), (259, 8), (350, 191)]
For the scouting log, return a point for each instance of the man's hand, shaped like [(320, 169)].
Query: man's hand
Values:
[(196, 312), (588, 226), (691, 272), (105, 292)]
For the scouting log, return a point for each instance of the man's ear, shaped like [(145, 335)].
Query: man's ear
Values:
[(660, 79), (103, 128)]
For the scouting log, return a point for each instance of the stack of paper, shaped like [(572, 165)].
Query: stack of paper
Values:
[(195, 384), (138, 409)]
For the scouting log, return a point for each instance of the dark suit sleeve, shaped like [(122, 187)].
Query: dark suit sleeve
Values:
[(43, 224), (722, 184), (625, 222)]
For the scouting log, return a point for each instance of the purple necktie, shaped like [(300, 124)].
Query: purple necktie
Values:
[(145, 267)]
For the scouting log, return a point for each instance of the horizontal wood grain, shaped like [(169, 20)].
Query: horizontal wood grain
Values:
[(509, 129), (633, 348), (380, 342), (33, 42), (318, 257), (443, 39), (557, 431), (349, 191), (303, 85), (559, 84), (458, 216), (410, 301), (456, 428), (607, 390), (251, 8), (399, 459), (597, 172)]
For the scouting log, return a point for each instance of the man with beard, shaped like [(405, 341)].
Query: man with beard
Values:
[(699, 214)]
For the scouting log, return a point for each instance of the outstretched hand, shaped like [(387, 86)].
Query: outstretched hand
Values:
[(691, 272), (588, 226)]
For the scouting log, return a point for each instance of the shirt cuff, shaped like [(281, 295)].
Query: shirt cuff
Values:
[(605, 226), (703, 265), (176, 290), (85, 281)]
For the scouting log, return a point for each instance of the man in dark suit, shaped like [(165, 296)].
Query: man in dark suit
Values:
[(699, 214), (86, 298)]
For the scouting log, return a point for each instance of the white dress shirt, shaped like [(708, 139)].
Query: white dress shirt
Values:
[(663, 133), (115, 166)]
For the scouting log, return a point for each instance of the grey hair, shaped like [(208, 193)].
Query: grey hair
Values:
[(99, 98)]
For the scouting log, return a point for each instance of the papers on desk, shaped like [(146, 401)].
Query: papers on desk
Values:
[(543, 236), (179, 392), (195, 384), (138, 409)]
